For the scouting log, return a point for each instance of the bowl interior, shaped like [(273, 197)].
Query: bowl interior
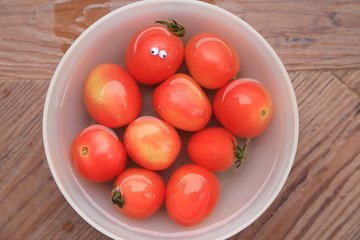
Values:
[(245, 192)]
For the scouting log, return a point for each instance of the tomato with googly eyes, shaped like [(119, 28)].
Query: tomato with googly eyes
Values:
[(155, 53)]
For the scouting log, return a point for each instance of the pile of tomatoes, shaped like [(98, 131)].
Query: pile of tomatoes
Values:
[(113, 99)]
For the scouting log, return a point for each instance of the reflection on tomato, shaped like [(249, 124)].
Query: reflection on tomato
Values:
[(181, 102), (244, 107), (191, 194), (211, 60), (153, 54), (97, 154), (152, 143), (138, 192), (111, 95)]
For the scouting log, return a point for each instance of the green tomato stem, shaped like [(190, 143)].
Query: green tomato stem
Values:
[(117, 199), (239, 154), (174, 27)]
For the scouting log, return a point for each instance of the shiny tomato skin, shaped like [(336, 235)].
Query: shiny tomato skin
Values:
[(212, 148), (98, 154), (192, 193), (152, 143), (150, 67), (211, 60), (142, 190), (244, 107), (111, 95), (180, 101)]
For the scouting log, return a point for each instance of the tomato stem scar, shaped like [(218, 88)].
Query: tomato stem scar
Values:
[(174, 27), (84, 151), (263, 113), (239, 154)]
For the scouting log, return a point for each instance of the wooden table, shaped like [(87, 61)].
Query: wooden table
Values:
[(319, 43)]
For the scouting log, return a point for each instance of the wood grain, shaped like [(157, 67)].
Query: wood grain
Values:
[(30, 203), (320, 197), (319, 42), (305, 34)]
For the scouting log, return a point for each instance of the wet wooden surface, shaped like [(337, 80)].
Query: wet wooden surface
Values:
[(319, 43)]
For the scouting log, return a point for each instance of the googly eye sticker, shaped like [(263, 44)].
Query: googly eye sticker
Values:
[(154, 51), (162, 53)]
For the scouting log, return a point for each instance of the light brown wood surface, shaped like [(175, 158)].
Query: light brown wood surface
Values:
[(319, 44)]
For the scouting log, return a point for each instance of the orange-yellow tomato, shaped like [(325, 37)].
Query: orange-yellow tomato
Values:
[(244, 107), (191, 194), (152, 143), (111, 95), (181, 102)]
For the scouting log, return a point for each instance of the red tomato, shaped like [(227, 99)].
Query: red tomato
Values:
[(191, 194), (152, 143), (244, 107), (211, 60), (111, 95), (153, 54), (98, 154), (215, 149), (182, 103), (138, 192)]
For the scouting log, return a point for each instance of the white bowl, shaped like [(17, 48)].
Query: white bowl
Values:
[(245, 193)]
